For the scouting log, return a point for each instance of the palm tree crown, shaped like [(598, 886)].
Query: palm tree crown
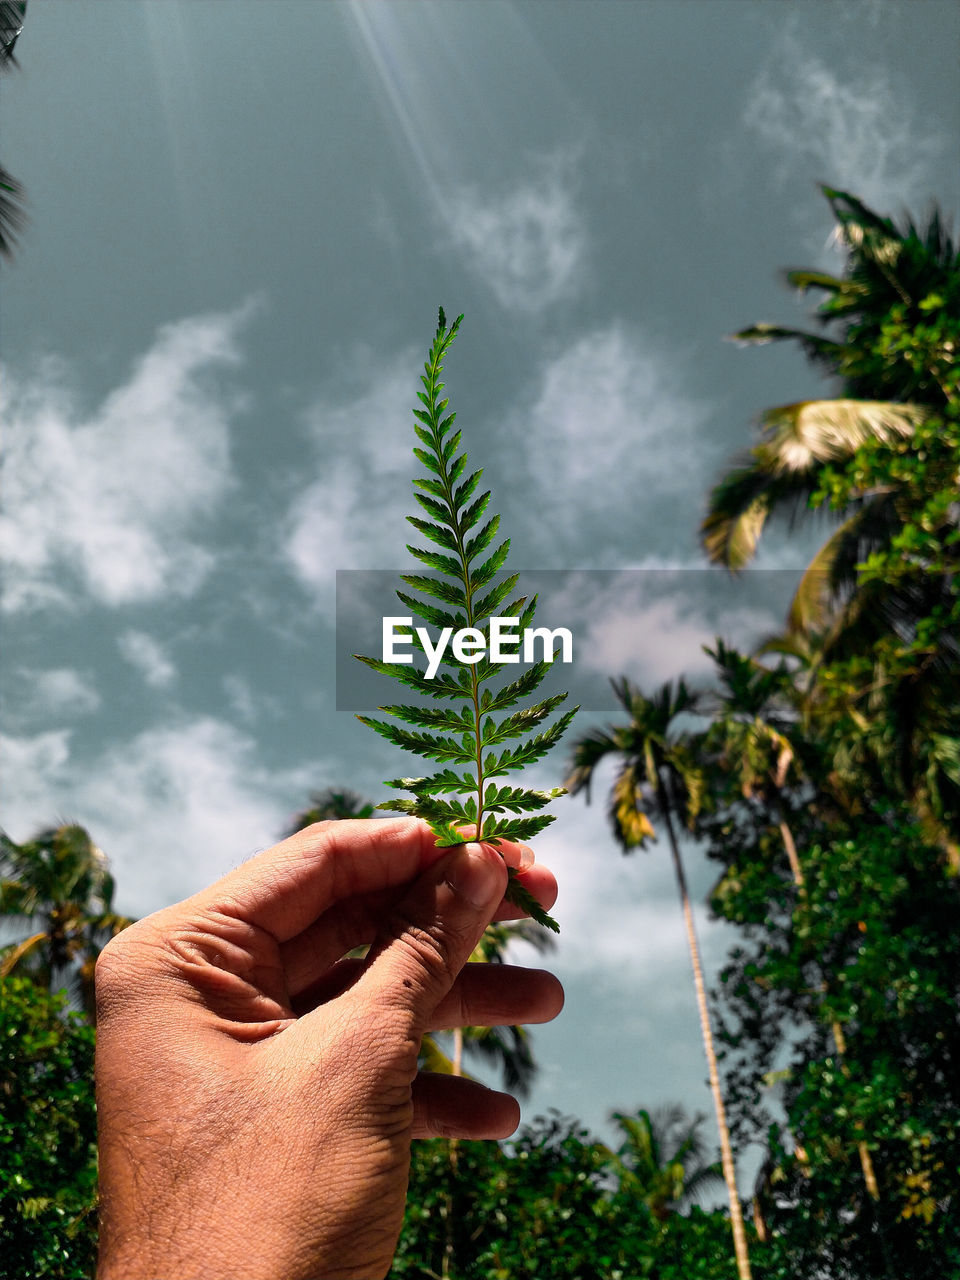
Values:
[(58, 886), (893, 279)]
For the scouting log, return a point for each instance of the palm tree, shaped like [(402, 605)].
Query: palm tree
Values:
[(662, 1159), (58, 885), (659, 776), (889, 272), (330, 804)]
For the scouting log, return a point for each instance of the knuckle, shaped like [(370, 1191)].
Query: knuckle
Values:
[(123, 963), (429, 951)]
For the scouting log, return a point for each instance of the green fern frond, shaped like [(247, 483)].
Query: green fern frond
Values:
[(463, 592)]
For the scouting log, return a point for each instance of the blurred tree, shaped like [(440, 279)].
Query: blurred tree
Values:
[(662, 1160), (554, 1203), (57, 885), (659, 773), (331, 804)]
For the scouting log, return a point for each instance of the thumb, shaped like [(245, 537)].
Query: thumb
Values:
[(431, 934)]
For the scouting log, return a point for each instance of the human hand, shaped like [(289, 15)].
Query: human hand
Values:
[(256, 1093)]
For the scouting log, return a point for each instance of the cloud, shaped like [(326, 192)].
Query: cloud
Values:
[(652, 626), (853, 127), (247, 703), (39, 697), (148, 657), (352, 515), (173, 807), (611, 437), (526, 244), (115, 500)]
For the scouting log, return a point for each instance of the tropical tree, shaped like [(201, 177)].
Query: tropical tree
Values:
[(659, 777), (662, 1159), (556, 1203), (893, 351), (330, 804), (57, 887), (752, 716)]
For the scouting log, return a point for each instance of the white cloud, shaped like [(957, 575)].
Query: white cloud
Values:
[(148, 656), (611, 433), (174, 807), (526, 244), (852, 127), (352, 515), (247, 703), (39, 697), (116, 499), (652, 626)]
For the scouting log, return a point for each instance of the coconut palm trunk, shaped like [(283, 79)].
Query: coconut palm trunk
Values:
[(726, 1151)]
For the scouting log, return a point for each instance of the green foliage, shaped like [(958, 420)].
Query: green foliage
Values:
[(48, 1155), (894, 315), (555, 1203), (466, 737)]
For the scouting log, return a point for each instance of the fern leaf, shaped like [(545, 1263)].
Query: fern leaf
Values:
[(518, 689), (435, 560), (522, 722), (489, 567), (465, 799), (436, 783), (434, 718), (441, 686), (530, 752), (452, 592), (482, 539), (421, 744), (521, 896), (431, 613), (516, 828), (518, 799), (436, 532)]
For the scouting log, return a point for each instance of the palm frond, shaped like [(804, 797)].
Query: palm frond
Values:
[(588, 751), (818, 349), (12, 13), (797, 437)]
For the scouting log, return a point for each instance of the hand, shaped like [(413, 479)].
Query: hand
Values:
[(256, 1093)]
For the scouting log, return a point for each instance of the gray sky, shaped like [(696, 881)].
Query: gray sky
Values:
[(243, 218)]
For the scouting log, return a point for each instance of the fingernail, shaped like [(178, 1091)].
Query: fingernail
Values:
[(526, 857), (473, 875)]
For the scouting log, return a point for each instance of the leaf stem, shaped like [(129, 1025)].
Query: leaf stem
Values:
[(440, 350)]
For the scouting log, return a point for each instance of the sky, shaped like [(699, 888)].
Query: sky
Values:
[(243, 218)]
